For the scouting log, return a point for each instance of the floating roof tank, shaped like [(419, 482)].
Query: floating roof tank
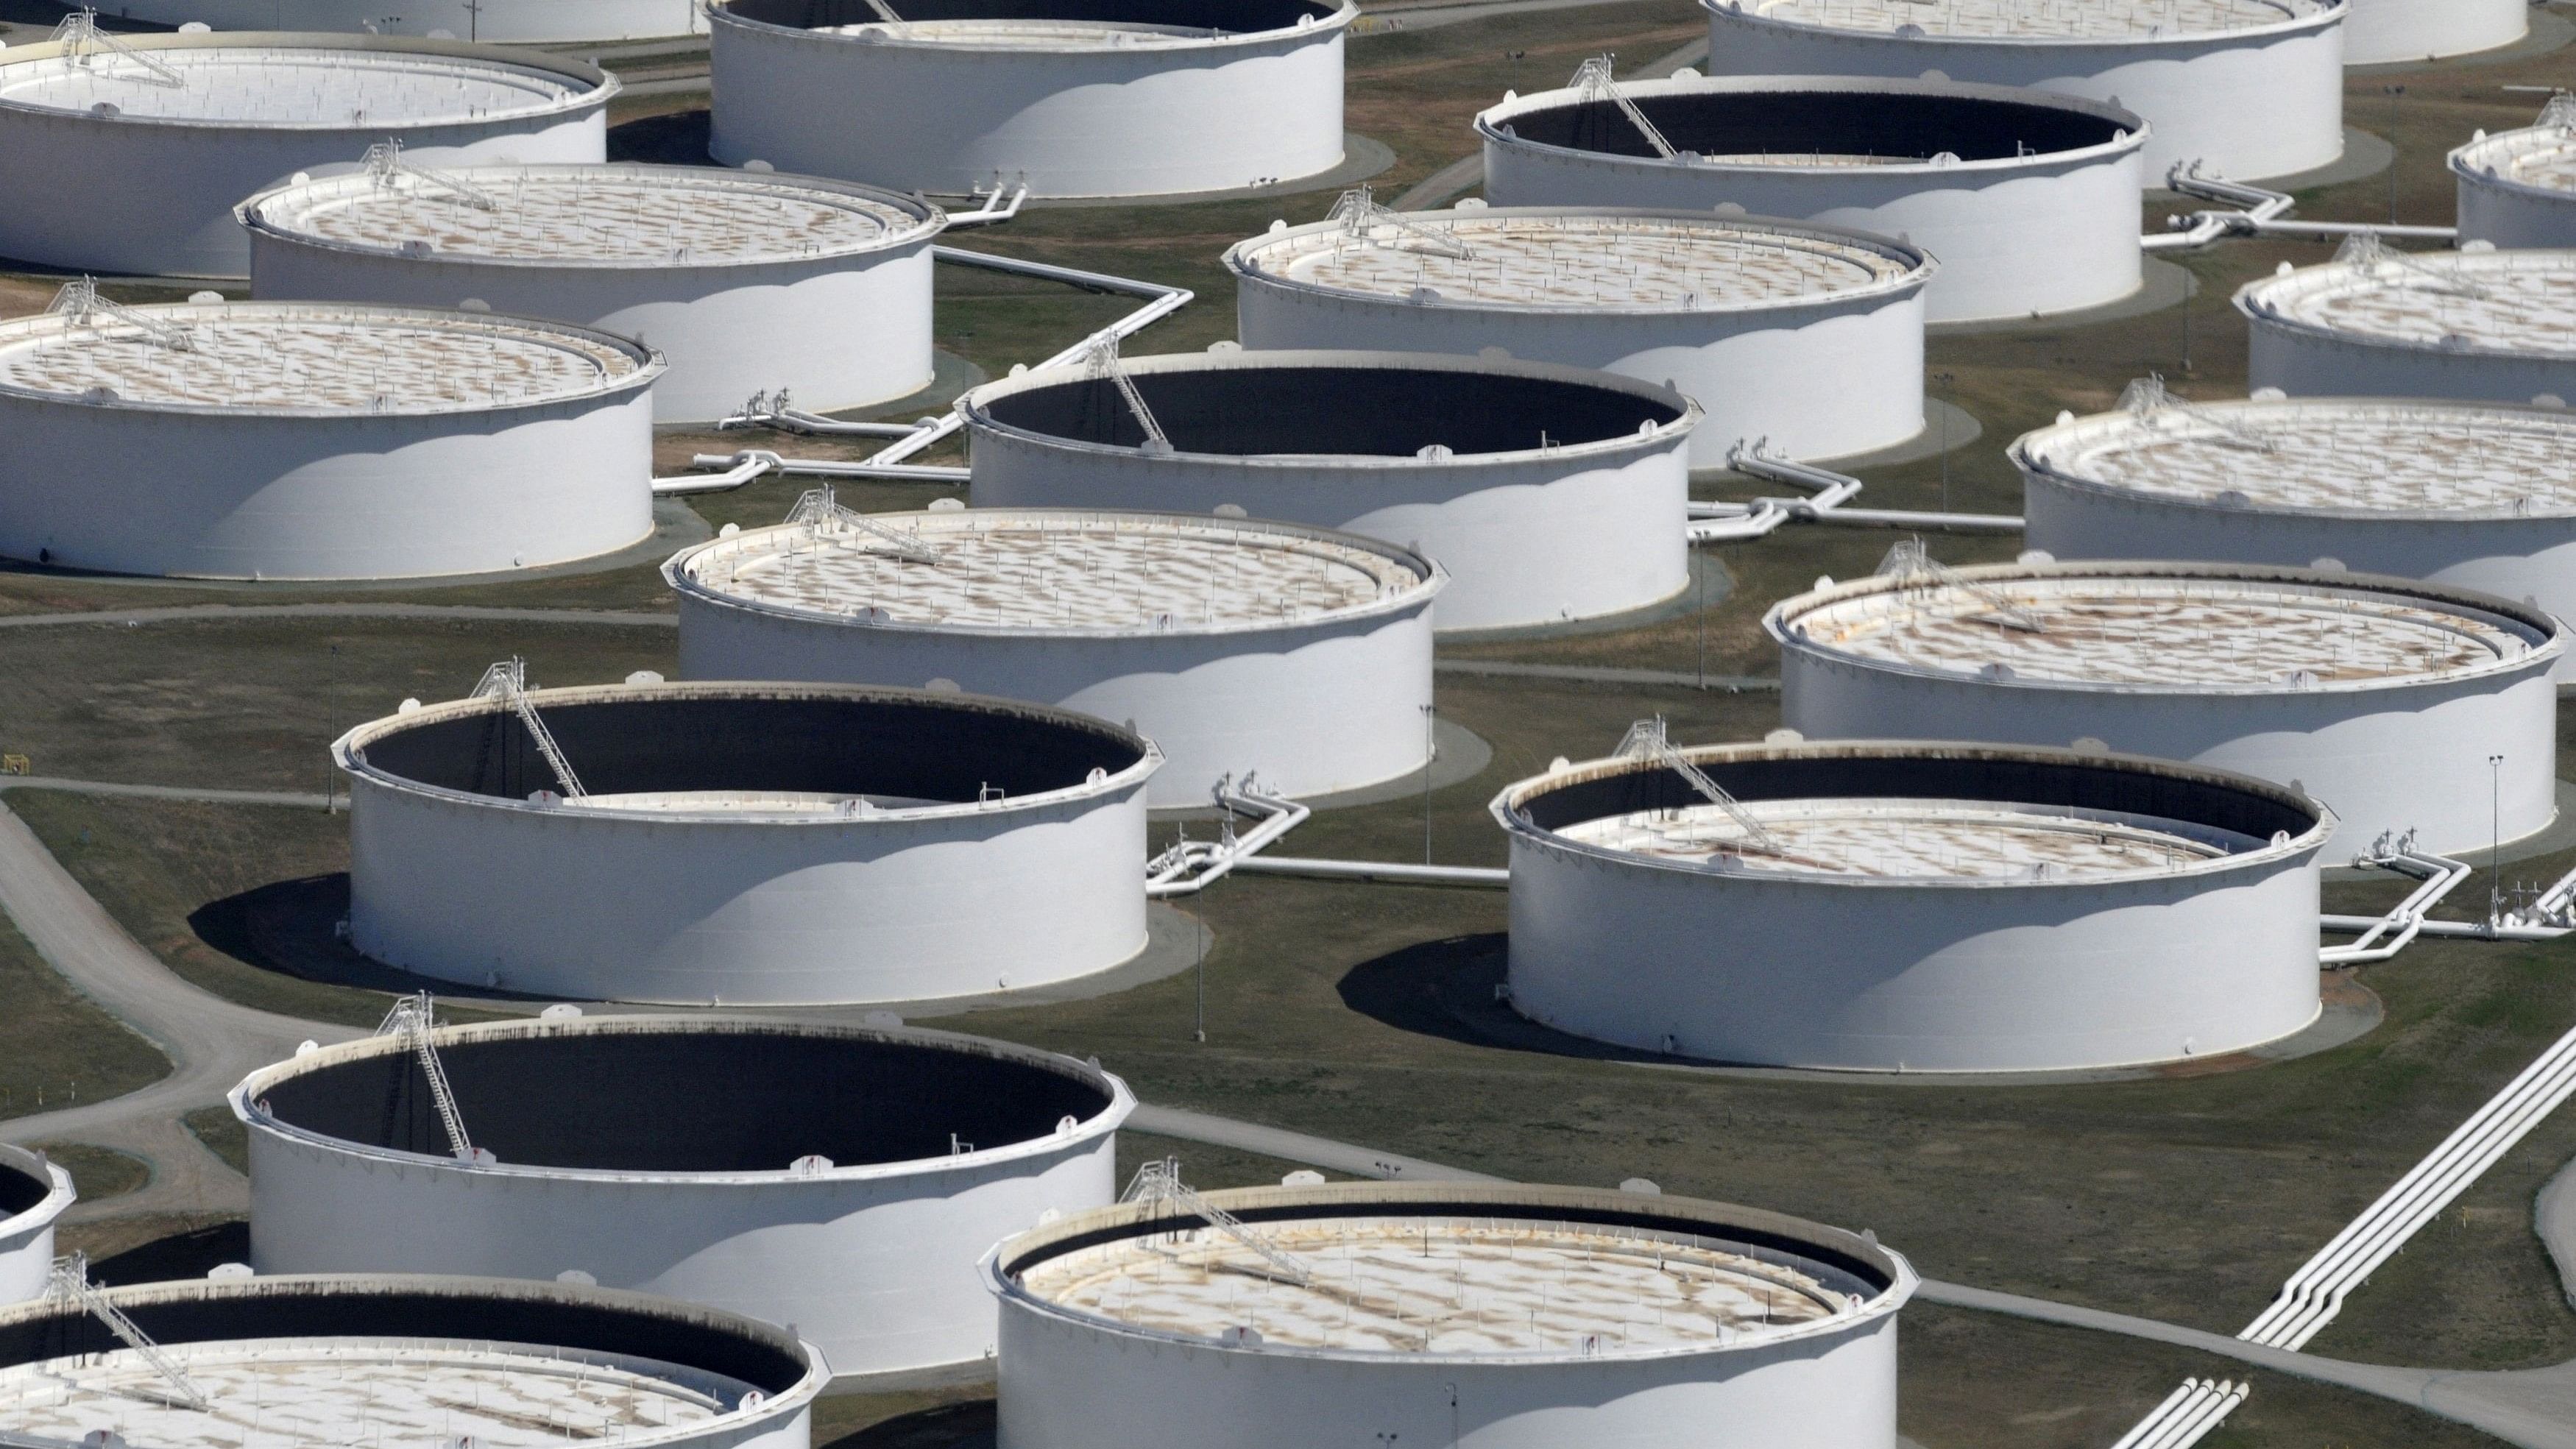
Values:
[(2518, 188), (488, 21), (2381, 323), (1808, 336), (33, 1193), (2028, 199), (128, 153)]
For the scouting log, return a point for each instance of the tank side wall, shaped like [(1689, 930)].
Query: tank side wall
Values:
[(2514, 217), (26, 1261), (2379, 32), (2304, 364), (489, 21)]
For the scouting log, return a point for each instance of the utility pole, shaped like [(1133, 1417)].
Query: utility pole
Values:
[(1430, 748), (1942, 381), (2495, 839), (1198, 1005), (2395, 94)]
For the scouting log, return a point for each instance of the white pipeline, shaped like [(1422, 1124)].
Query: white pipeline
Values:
[(2384, 937), (740, 468), (2261, 213), (1378, 870), (1732, 522), (1190, 866)]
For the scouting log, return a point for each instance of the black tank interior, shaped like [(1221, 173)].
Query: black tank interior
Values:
[(19, 1192), (901, 748), (1236, 17), (1369, 411), (695, 1101), (1893, 125)]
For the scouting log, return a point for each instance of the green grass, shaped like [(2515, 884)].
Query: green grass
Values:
[(99, 1173), (223, 1135), (57, 1049)]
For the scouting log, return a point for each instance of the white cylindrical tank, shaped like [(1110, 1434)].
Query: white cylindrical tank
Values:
[(2383, 698), (1885, 907), (33, 1193), (2027, 199), (2518, 188), (745, 283), (843, 1179), (128, 154), (2385, 32), (1548, 493), (394, 1359), (2480, 495), (2378, 323), (1073, 97), (1239, 647), (1808, 336), (2245, 88), (488, 21), (748, 843), (1490, 1316), (312, 440)]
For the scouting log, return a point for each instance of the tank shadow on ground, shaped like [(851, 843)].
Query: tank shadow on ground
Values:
[(291, 927), (968, 1425), (674, 138), (181, 1255)]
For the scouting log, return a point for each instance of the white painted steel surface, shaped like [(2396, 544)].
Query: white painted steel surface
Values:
[(2479, 495), (1809, 336), (1871, 946), (150, 188), (2230, 666), (320, 441), (488, 21), (698, 888), (406, 1363), (1073, 97), (1499, 1317), (1588, 523), (2017, 231), (2384, 32), (2499, 325), (2247, 88), (2518, 188), (27, 1233), (1236, 646), (744, 283), (873, 1261)]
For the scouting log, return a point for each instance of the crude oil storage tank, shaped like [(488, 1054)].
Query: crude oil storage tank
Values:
[(2384, 698), (2518, 188), (33, 1192), (317, 440), (2480, 495), (1810, 336), (2028, 199), (2246, 88), (488, 21), (1548, 493), (403, 1362), (1072, 97), (745, 843), (841, 1179), (1237, 646), (746, 283), (1912, 907), (165, 134), (1491, 1316), (2382, 32), (2383, 323)]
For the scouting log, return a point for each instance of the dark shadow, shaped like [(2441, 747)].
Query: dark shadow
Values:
[(293, 927), (45, 12), (675, 138), (180, 1255), (968, 1425), (1447, 989)]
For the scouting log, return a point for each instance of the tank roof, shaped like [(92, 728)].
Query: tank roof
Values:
[(1046, 25), (310, 358), (2038, 21), (1457, 1272), (2165, 628), (2513, 303), (1573, 259), (1053, 571), (593, 216), (2542, 157), (2344, 457), (287, 80)]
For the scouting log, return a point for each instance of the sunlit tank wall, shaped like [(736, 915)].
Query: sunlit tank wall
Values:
[(146, 486), (1876, 972), (2518, 188), (2416, 356), (839, 327), (740, 869), (1825, 376), (156, 196), (410, 1329), (2525, 549), (2382, 32), (1075, 1380), (2387, 756), (656, 1153), (2263, 100), (1331, 700), (1592, 523), (33, 1193), (488, 21), (2040, 214), (974, 91)]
